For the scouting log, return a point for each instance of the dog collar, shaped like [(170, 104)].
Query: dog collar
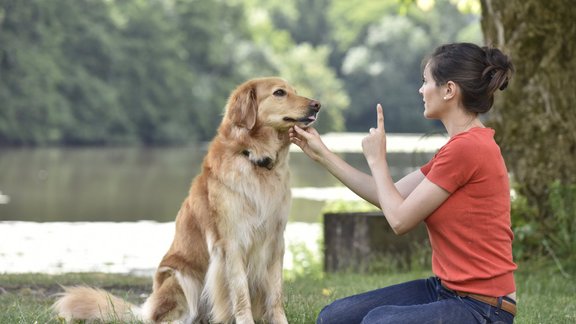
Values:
[(265, 162)]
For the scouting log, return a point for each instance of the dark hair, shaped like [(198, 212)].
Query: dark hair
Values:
[(478, 71)]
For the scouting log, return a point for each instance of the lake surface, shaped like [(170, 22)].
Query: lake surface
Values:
[(112, 209), (134, 184)]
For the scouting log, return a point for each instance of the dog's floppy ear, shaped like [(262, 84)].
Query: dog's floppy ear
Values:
[(243, 106)]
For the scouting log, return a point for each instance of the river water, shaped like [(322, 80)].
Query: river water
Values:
[(112, 209)]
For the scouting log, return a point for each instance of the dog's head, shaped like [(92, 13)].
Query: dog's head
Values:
[(270, 102)]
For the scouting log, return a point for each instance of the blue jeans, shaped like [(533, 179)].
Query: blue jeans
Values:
[(418, 302)]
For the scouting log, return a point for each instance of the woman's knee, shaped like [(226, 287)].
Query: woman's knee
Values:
[(326, 314), (371, 318), (333, 313), (383, 314)]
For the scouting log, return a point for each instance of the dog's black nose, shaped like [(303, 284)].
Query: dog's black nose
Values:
[(315, 105)]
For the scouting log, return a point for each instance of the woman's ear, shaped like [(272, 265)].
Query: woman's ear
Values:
[(450, 90), (243, 107)]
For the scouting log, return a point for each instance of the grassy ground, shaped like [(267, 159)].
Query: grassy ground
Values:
[(545, 295)]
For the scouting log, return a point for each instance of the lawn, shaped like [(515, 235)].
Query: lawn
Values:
[(544, 294)]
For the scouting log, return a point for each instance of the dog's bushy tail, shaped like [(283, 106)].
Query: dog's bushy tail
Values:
[(86, 303)]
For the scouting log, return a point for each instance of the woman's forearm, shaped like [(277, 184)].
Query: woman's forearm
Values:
[(359, 182), (363, 184), (389, 197)]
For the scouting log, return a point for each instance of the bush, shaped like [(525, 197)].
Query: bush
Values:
[(539, 236)]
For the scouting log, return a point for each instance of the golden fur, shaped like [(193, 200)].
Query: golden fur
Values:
[(225, 263)]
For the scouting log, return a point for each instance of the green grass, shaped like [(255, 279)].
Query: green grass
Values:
[(544, 294), (26, 298)]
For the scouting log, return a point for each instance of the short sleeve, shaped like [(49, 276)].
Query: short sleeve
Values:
[(454, 165), (426, 167)]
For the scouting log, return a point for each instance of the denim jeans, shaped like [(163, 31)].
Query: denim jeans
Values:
[(418, 302)]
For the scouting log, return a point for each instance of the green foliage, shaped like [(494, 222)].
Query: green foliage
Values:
[(385, 65), (552, 237), (350, 19), (305, 66), (561, 226), (305, 262), (28, 76), (74, 75), (376, 49), (117, 72), (387, 74), (156, 72), (527, 231)]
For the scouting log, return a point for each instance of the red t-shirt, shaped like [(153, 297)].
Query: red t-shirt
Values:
[(470, 233)]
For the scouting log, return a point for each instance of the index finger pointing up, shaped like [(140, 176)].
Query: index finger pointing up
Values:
[(380, 117)]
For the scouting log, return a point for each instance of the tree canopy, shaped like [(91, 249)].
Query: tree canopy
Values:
[(153, 72)]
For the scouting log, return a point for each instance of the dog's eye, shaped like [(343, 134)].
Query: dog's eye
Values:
[(280, 93)]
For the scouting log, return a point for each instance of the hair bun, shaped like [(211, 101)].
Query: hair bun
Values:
[(498, 69), (478, 71), (504, 85)]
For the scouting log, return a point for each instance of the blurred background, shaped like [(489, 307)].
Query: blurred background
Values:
[(106, 106), (158, 72)]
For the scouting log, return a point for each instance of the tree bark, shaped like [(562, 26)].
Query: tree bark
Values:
[(364, 242), (534, 118)]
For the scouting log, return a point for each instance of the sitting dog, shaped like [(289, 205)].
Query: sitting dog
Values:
[(225, 262)]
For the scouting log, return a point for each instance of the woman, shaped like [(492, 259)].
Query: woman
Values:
[(462, 194)]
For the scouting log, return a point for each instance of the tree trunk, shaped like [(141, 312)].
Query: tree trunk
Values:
[(534, 118), (364, 242)]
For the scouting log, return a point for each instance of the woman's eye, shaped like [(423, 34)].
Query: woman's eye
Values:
[(279, 93)]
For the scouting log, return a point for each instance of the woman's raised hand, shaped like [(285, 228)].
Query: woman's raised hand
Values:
[(374, 144)]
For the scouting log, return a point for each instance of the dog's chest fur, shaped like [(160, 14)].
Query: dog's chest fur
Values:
[(252, 197)]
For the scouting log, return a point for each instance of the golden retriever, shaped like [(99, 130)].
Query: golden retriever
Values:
[(225, 262)]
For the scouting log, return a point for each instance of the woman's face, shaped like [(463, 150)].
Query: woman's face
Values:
[(434, 103)]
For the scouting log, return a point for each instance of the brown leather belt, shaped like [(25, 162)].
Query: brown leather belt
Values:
[(505, 305), (493, 301)]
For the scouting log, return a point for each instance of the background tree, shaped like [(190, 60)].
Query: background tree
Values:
[(385, 65), (376, 48), (153, 72), (150, 72), (31, 111), (534, 118), (275, 52)]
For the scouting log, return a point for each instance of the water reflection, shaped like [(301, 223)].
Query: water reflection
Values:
[(87, 194), (132, 184)]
